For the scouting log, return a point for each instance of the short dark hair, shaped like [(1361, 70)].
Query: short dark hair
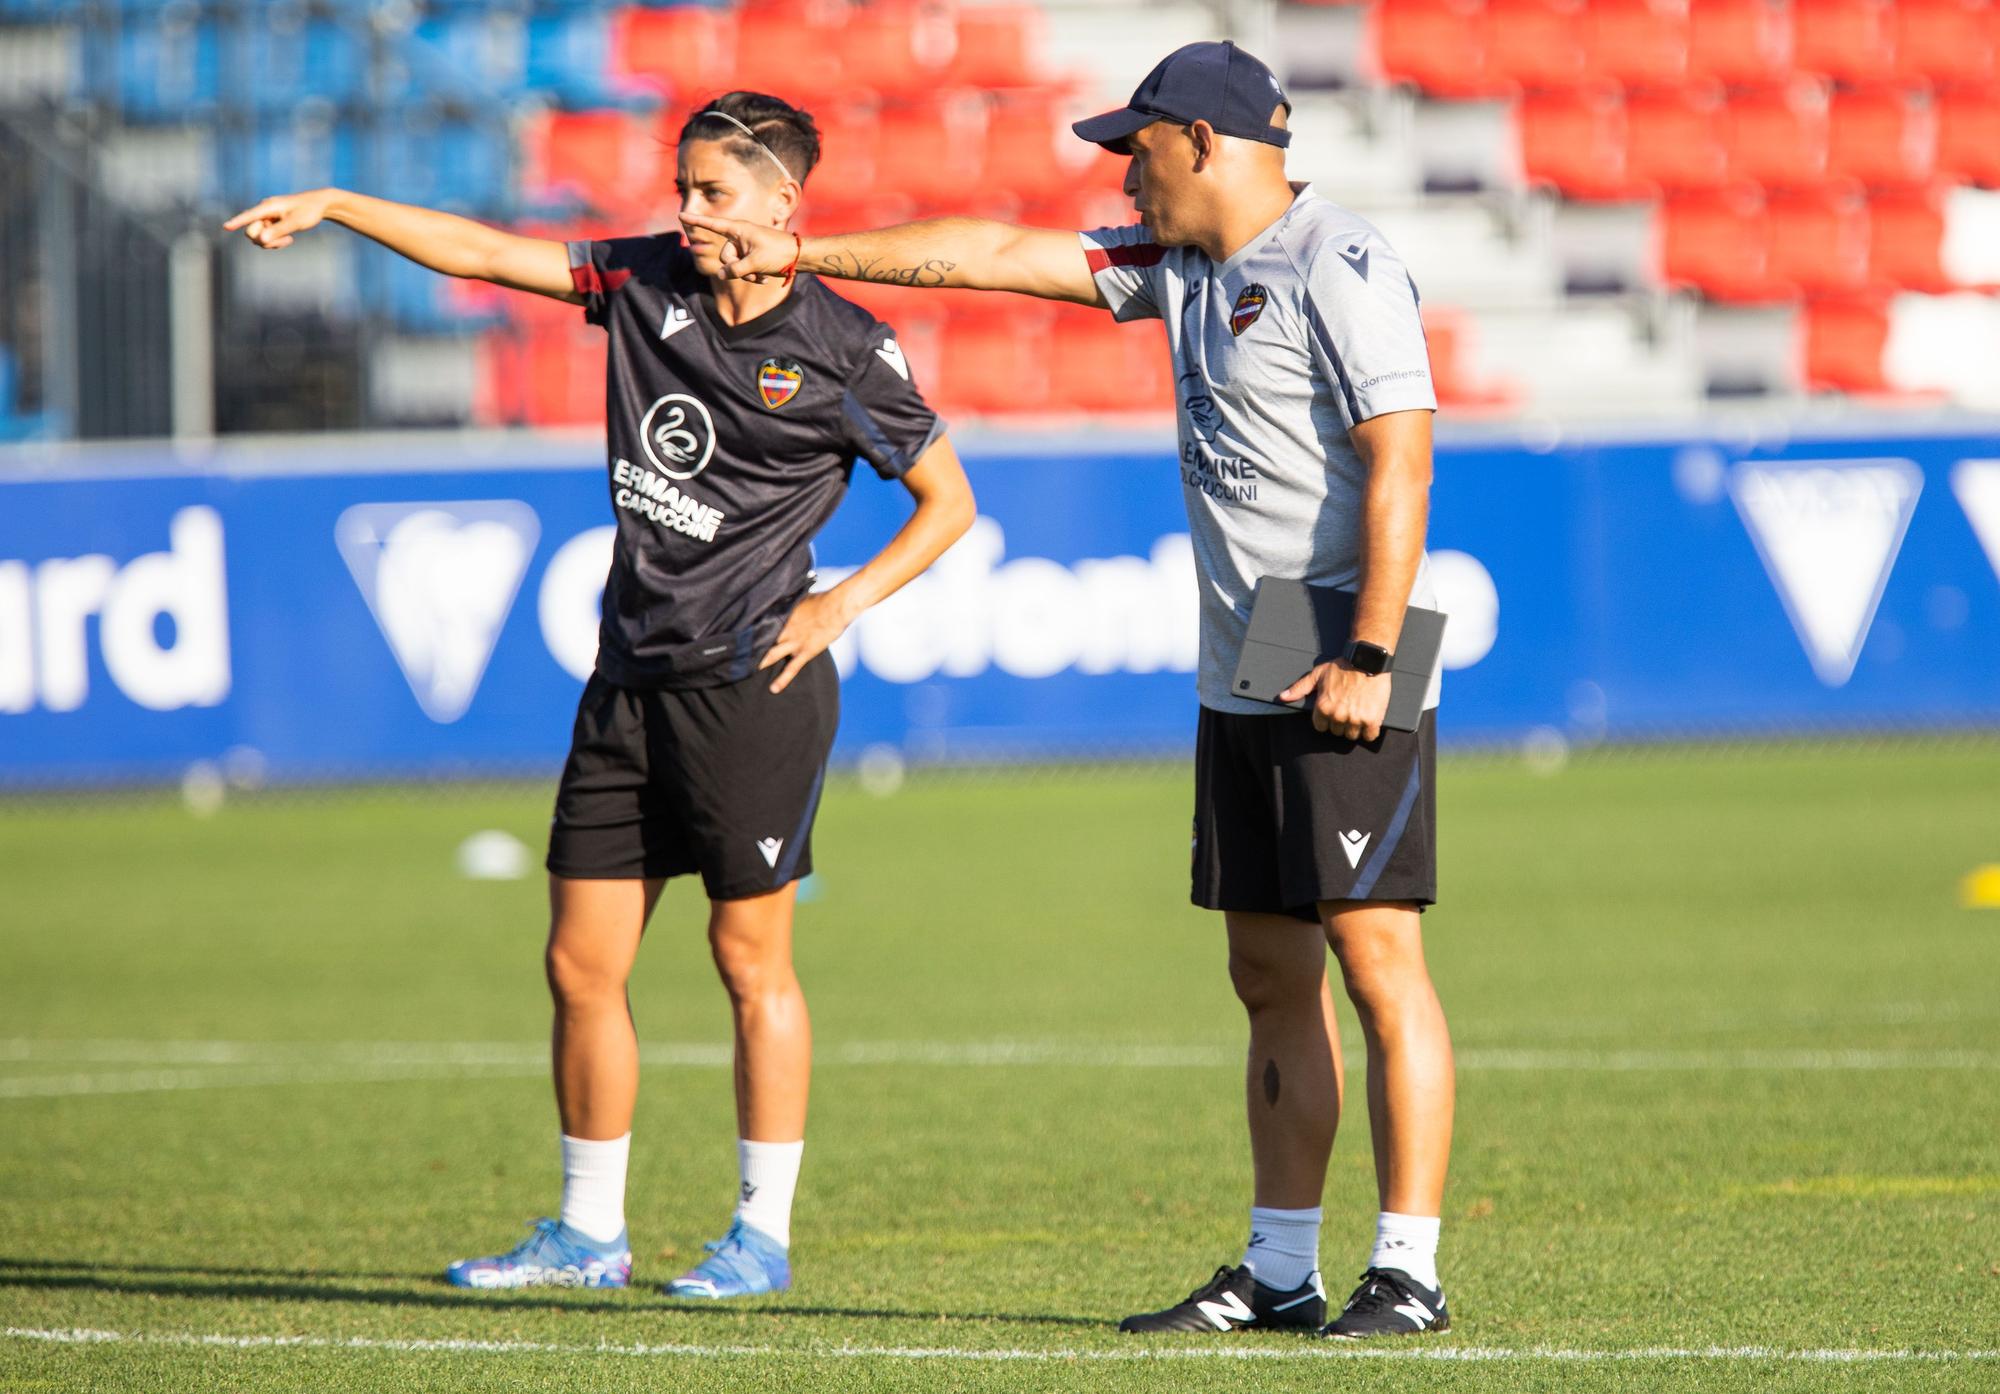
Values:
[(785, 131)]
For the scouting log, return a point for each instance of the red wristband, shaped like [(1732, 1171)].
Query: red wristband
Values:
[(798, 250)]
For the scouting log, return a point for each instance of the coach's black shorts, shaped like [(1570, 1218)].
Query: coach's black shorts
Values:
[(720, 780), (1286, 816)]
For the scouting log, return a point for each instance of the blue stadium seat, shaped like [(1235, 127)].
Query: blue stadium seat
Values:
[(423, 156), (167, 68), (417, 300), (284, 57), (283, 156), (569, 58), (470, 51), (16, 424)]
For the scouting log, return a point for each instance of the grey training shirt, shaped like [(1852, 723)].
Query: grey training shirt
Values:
[(1308, 330)]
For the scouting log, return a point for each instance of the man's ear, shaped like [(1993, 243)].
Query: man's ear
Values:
[(1203, 137)]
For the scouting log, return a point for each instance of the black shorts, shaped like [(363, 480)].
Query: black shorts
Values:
[(720, 780), (1286, 816)]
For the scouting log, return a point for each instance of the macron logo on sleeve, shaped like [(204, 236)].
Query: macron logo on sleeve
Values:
[(891, 353), (1356, 256)]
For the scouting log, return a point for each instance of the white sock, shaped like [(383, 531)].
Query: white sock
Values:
[(1408, 1242), (1284, 1246), (593, 1202), (770, 1172)]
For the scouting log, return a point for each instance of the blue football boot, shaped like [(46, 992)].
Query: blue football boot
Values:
[(552, 1255), (743, 1263)]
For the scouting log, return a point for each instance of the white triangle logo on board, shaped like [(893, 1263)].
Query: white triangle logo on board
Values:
[(440, 579), (1977, 484), (1828, 532)]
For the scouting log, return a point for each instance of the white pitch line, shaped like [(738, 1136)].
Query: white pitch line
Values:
[(1329, 1351), (243, 1064)]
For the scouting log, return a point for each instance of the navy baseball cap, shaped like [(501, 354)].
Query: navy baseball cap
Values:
[(1214, 82)]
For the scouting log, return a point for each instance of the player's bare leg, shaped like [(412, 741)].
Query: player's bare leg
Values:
[(1292, 1087), (594, 933), (1411, 1097), (751, 940)]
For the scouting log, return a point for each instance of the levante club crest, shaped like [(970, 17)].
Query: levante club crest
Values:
[(1249, 305), (778, 381)]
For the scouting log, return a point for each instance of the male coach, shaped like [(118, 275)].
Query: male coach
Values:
[(1301, 364)]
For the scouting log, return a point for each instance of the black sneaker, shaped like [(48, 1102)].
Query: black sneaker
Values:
[(1232, 1300), (1389, 1302)]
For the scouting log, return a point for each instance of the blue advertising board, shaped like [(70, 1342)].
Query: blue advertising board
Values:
[(408, 607)]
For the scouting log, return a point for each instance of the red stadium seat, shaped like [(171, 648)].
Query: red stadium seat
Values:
[(1844, 341), (549, 375), (797, 54), (1674, 139), (1743, 43), (1436, 45), (1846, 40), (1448, 333), (1030, 148), (898, 50), (998, 46), (1101, 366), (996, 363), (685, 48), (1884, 137), (1819, 240), (1537, 44), (1640, 43), (1905, 238), (1943, 41), (932, 150), (1575, 142), (1079, 207), (609, 159), (1719, 243), (850, 134), (1968, 147), (1777, 136)]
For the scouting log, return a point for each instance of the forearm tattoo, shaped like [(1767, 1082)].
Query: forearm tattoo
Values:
[(854, 267)]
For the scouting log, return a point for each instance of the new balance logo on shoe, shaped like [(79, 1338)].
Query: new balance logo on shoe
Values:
[(1227, 1311), (1415, 1311), (770, 847), (1354, 842)]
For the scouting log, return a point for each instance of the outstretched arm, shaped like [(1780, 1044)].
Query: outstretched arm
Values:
[(944, 511), (970, 253), (441, 241)]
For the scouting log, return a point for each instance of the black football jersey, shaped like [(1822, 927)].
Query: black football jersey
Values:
[(730, 446)]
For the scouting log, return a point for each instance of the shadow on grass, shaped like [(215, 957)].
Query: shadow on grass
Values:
[(306, 1285)]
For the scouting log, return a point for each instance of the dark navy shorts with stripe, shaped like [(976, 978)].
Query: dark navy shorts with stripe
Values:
[(720, 780), (1286, 816)]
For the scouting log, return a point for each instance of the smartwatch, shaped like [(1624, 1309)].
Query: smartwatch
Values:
[(1368, 658)]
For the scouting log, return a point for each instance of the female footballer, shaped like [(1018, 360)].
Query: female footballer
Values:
[(736, 410)]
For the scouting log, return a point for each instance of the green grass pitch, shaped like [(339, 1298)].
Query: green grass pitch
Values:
[(1729, 1093)]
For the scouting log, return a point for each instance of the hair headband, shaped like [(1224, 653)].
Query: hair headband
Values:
[(769, 154)]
